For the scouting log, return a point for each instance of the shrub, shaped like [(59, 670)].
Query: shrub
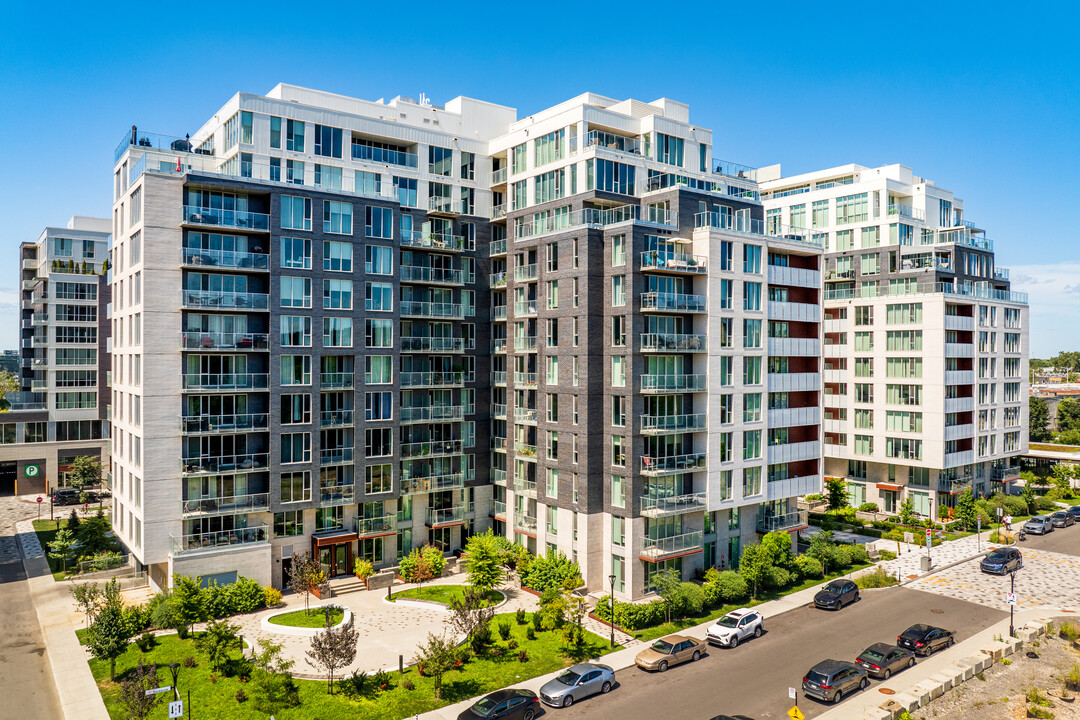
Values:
[(189, 661), (876, 579), (530, 634), (504, 630), (408, 684), (808, 567), (215, 599), (481, 639), (868, 507), (511, 644), (271, 596), (777, 578), (724, 587), (519, 616), (1072, 677), (136, 618), (858, 554), (523, 656), (1045, 504), (1068, 631), (886, 554), (363, 569), (145, 641), (245, 595), (241, 696), (691, 599), (537, 621), (353, 685), (550, 571), (382, 680)]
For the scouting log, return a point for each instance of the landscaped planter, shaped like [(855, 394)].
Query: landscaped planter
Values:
[(266, 626)]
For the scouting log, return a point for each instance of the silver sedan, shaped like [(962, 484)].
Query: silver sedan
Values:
[(577, 682)]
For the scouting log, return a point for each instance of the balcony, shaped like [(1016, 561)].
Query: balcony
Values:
[(445, 517), (526, 488), (748, 226), (793, 487), (959, 405), (432, 379), (336, 380), (498, 177), (674, 262), (224, 463), (498, 312), (250, 535), (336, 418), (225, 259), (432, 448), (794, 452), (668, 342), (336, 456), (794, 347), (673, 302), (794, 382), (525, 343), (498, 444), (794, 277), (498, 510), (432, 413), (526, 415), (432, 483), (497, 248), (959, 432), (959, 350), (1001, 273), (498, 212), (498, 476), (525, 524), (497, 279), (498, 377), (525, 308), (207, 424), (414, 308), (662, 424), (1001, 474), (907, 211), (337, 494), (498, 346), (526, 379), (193, 340), (524, 451), (415, 343), (959, 377), (959, 322), (655, 507), (225, 381), (229, 505), (526, 273), (434, 241), (656, 549), (958, 459), (384, 156), (793, 417), (444, 206), (375, 527), (430, 275), (610, 141), (673, 383), (653, 466), (786, 522), (222, 300), (216, 217), (794, 312)]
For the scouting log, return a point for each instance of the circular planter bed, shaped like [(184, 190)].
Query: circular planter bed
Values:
[(438, 597), (295, 622)]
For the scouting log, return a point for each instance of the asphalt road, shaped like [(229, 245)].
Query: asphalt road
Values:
[(24, 670), (1062, 540), (753, 679)]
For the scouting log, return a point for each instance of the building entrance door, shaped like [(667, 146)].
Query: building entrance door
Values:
[(334, 559)]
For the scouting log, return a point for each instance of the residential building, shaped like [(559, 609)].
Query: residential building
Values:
[(576, 328), (61, 409), (926, 345)]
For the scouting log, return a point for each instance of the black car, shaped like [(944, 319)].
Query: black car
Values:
[(1075, 512), (731, 717), (837, 594), (65, 496), (1002, 561), (511, 704), (881, 660), (1062, 519), (831, 680), (925, 639)]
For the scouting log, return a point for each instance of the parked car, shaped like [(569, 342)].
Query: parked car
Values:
[(837, 594), (668, 651), (731, 717), (1062, 519), (737, 625), (831, 680), (925, 639), (881, 660), (1039, 525), (510, 704), (65, 496), (577, 682), (1002, 561), (1074, 511)]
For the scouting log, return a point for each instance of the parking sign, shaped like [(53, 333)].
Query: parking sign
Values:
[(1010, 598), (176, 709)]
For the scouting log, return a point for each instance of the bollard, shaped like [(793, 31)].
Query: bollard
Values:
[(400, 665)]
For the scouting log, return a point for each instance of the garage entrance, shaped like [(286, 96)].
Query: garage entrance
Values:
[(7, 478)]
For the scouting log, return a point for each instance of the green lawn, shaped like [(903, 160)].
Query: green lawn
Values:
[(651, 633), (443, 594), (476, 677), (315, 619), (46, 531)]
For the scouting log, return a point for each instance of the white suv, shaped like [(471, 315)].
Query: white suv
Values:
[(735, 626)]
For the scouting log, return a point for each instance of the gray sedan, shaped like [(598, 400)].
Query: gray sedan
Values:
[(577, 682), (1039, 525)]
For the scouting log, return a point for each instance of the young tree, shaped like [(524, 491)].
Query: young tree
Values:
[(73, 522), (9, 383), (1028, 493), (109, 634), (188, 601), (87, 598), (93, 535), (332, 649), (822, 548), (668, 585), (438, 655), (60, 547), (1038, 420), (422, 564), (484, 566), (216, 641), (133, 691), (470, 613), (966, 513), (907, 512), (753, 565), (836, 492), (305, 577), (86, 471), (275, 688)]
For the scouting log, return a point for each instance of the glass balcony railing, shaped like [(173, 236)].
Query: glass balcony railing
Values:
[(498, 345), (336, 456), (526, 415), (229, 259), (226, 218), (337, 494), (223, 300), (498, 177), (498, 444), (497, 247), (525, 343), (525, 307), (444, 205), (523, 522), (498, 476), (432, 344), (432, 483), (525, 273), (422, 274), (675, 302), (525, 487), (906, 211), (443, 517), (674, 463), (673, 504), (732, 169), (498, 212), (434, 241), (253, 502), (384, 155), (498, 312), (498, 377), (432, 448), (414, 308), (336, 379), (195, 340), (656, 424), (525, 378), (658, 548), (224, 463), (497, 279), (368, 527), (431, 379), (783, 522), (750, 226), (223, 423), (498, 509), (672, 341), (222, 538), (610, 141), (225, 381), (336, 418), (526, 451), (674, 261), (673, 383), (432, 413)]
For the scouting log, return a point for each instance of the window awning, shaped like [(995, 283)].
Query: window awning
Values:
[(888, 486)]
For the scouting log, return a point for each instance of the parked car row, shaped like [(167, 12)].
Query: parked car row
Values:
[(575, 683), (831, 680)]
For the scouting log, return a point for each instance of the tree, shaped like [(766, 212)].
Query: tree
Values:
[(438, 655), (836, 492), (305, 576), (109, 633), (60, 547), (965, 509), (907, 512), (822, 548), (133, 691), (73, 522), (86, 471), (216, 641), (777, 546), (188, 601), (470, 613), (1038, 420), (754, 564), (332, 649), (87, 598), (9, 383), (1068, 415), (484, 567), (1028, 493), (422, 564), (667, 583), (275, 688), (93, 535)]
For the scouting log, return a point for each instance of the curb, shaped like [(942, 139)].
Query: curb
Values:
[(935, 571), (268, 627)]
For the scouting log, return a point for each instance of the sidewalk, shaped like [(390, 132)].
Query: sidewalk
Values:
[(907, 565)]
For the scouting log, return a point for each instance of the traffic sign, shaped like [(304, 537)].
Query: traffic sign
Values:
[(157, 691), (791, 693), (1010, 598), (1000, 512), (40, 499), (795, 713), (176, 709)]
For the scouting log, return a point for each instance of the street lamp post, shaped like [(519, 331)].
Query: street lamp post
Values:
[(611, 579), (1012, 605), (174, 668)]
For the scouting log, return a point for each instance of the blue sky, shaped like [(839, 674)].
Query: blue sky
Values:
[(983, 98)]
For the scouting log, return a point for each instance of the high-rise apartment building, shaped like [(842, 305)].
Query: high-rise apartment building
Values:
[(926, 345), (60, 411), (351, 328)]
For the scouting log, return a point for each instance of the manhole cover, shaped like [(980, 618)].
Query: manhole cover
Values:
[(1033, 655), (886, 691), (938, 612)]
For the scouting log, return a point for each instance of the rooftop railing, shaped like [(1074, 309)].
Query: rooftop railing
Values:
[(749, 226), (979, 292)]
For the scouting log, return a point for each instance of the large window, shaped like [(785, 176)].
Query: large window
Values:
[(295, 369), (337, 332), (295, 212), (379, 260), (295, 331), (296, 253), (609, 176), (295, 292), (295, 448), (380, 222), (669, 149), (337, 217), (549, 148), (327, 141), (337, 294), (379, 333), (337, 256), (378, 296), (295, 486), (294, 135), (378, 479)]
